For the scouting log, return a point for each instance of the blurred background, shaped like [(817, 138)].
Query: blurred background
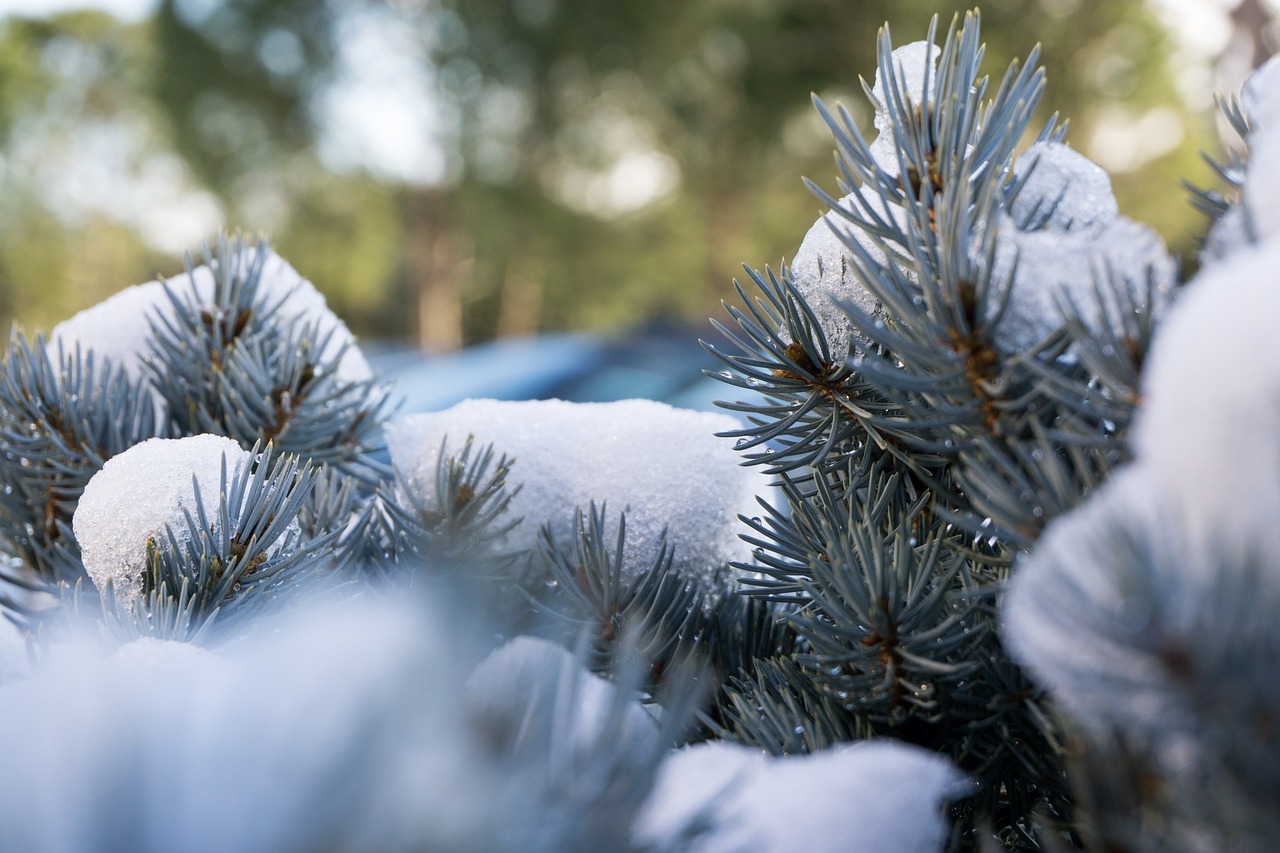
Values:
[(451, 172)]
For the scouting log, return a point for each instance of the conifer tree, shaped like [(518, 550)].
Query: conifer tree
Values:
[(944, 580)]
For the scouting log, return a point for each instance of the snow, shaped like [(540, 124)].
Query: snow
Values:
[(1229, 234), (302, 303), (1042, 258), (1075, 617), (529, 670), (878, 796), (664, 466), (824, 270), (338, 728), (140, 491), (1260, 95), (119, 327), (909, 63), (1260, 195), (1200, 500), (1208, 428), (1062, 191), (13, 650)]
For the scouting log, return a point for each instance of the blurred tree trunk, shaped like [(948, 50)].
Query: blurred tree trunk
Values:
[(432, 261), (521, 302)]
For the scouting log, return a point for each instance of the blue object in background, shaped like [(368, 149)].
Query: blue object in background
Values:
[(656, 362)]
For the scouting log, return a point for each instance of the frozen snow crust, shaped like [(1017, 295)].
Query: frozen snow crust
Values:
[(663, 466), (141, 491)]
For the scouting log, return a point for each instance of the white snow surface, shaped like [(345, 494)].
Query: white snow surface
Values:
[(1260, 195), (13, 651), (824, 270), (140, 491), (1261, 191), (909, 63), (1039, 268), (664, 466), (527, 670), (1083, 242), (878, 796), (1201, 498), (1208, 428), (304, 304), (338, 728), (1076, 189), (119, 327), (1260, 95), (1076, 569), (1229, 234)]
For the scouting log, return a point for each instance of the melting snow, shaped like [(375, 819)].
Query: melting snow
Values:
[(910, 63), (1062, 191)]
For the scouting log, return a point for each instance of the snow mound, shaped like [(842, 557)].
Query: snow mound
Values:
[(1074, 578), (1142, 568), (529, 670), (663, 466), (1208, 428), (338, 728), (119, 328), (1062, 191), (910, 64), (137, 493), (878, 796), (1063, 239), (299, 303), (824, 270)]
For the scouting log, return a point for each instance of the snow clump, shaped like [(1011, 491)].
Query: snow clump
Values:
[(824, 270), (1256, 215), (1144, 567), (911, 63), (138, 493), (1061, 234), (878, 796), (119, 329), (1218, 452), (334, 728), (663, 466), (529, 671)]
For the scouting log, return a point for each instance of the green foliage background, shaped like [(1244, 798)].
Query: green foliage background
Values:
[(722, 88)]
